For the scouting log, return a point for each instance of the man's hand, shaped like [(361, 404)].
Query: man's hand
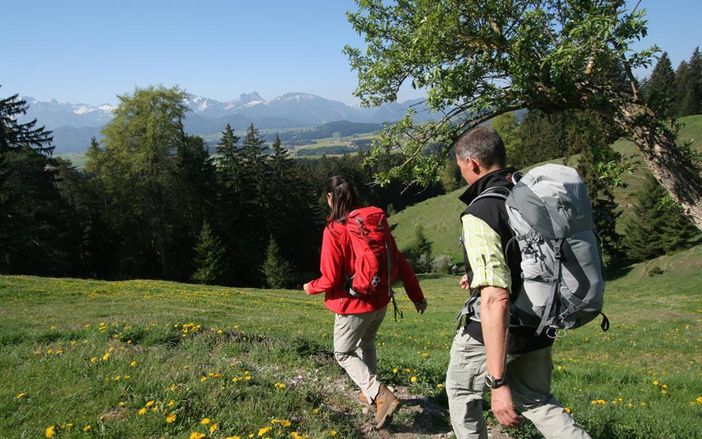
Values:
[(464, 282), (306, 287), (502, 408), (421, 306)]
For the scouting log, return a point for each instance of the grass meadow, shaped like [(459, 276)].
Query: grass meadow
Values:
[(142, 359)]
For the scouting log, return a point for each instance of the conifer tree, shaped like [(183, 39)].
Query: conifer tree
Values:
[(420, 254), (655, 225), (660, 87), (209, 257), (35, 222), (277, 272)]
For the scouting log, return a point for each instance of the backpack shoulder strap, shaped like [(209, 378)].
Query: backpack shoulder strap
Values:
[(500, 192)]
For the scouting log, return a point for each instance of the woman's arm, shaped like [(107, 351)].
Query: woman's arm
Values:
[(330, 264)]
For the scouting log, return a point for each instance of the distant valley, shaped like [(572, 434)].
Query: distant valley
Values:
[(297, 117)]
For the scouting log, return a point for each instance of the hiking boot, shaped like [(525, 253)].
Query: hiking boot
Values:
[(362, 399), (386, 403)]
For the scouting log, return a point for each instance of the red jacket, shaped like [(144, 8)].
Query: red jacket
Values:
[(337, 260)]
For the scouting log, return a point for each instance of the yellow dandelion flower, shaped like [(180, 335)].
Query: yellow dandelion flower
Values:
[(699, 400), (21, 395), (395, 370), (121, 404), (142, 411), (172, 388), (196, 435), (279, 386), (69, 426), (133, 364), (655, 382), (263, 431), (232, 437), (170, 418), (203, 379), (106, 356), (413, 379), (568, 410), (332, 433), (171, 403), (50, 431), (87, 429), (150, 403), (205, 421), (214, 427), (285, 423), (93, 360), (439, 386)]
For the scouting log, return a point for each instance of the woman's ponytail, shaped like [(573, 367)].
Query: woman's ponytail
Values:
[(343, 197)]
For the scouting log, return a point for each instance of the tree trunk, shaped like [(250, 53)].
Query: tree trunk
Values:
[(669, 165)]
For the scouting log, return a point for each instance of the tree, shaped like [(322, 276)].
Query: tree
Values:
[(688, 86), (541, 137), (36, 228), (419, 254), (14, 135), (507, 127), (656, 226), (209, 257), (478, 59), (137, 167), (277, 271), (660, 88), (600, 167)]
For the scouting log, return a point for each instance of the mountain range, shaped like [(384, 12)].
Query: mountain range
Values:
[(74, 124)]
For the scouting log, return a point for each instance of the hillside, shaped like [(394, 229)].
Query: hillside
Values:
[(439, 215), (159, 359)]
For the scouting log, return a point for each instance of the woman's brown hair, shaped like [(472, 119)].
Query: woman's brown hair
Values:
[(343, 197)]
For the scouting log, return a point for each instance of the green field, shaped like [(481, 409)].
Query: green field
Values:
[(121, 359), (440, 215)]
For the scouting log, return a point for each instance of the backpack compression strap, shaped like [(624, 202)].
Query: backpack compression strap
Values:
[(396, 309)]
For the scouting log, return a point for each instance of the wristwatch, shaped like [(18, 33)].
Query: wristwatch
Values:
[(493, 382)]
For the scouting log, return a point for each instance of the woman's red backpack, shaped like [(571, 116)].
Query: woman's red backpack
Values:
[(373, 249)]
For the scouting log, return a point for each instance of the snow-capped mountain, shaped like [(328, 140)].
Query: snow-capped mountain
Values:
[(54, 114), (74, 124)]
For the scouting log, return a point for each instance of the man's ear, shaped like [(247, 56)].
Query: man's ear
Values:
[(474, 165)]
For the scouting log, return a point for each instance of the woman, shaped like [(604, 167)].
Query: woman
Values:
[(357, 317)]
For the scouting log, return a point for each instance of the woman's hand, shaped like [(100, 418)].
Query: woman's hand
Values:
[(421, 306), (306, 287)]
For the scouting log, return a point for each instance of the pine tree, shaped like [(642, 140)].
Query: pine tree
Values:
[(209, 257), (420, 254), (14, 135), (656, 225), (541, 137), (277, 271), (696, 74), (36, 229), (660, 88), (688, 86)]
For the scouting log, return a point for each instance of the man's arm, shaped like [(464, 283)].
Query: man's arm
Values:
[(494, 319), (491, 276)]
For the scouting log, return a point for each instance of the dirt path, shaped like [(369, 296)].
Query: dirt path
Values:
[(418, 417)]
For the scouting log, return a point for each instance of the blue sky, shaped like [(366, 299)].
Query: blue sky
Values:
[(89, 51)]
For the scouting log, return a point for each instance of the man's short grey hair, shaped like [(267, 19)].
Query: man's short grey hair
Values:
[(483, 144)]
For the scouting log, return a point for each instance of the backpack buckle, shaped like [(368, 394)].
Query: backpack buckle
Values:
[(376, 281)]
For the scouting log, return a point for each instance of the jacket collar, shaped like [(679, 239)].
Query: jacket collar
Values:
[(494, 178)]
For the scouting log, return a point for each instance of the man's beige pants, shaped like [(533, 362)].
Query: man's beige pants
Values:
[(354, 348), (529, 378)]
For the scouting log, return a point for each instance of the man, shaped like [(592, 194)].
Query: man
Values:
[(514, 363)]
